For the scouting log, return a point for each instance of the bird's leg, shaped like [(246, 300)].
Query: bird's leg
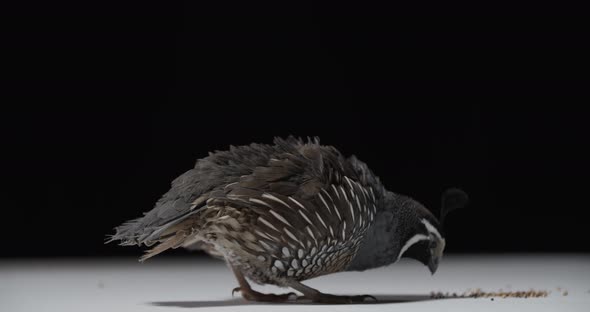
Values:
[(250, 294), (317, 296)]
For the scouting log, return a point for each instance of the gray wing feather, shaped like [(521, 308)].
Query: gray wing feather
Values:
[(190, 190), (289, 167)]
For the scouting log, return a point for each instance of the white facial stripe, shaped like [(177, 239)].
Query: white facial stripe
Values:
[(416, 238), (431, 229)]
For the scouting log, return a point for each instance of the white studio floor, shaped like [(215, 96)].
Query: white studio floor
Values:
[(201, 285)]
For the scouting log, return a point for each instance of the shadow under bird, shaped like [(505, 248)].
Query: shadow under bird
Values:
[(287, 212)]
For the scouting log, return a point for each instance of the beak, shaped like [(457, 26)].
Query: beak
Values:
[(433, 264), (436, 256)]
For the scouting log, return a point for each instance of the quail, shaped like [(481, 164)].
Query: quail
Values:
[(287, 212)]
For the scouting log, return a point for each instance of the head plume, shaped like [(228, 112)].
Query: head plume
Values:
[(452, 199)]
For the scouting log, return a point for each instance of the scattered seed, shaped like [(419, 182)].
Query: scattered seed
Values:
[(478, 293)]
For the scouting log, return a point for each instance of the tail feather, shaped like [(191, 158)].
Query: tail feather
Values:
[(172, 242), (135, 232), (126, 233)]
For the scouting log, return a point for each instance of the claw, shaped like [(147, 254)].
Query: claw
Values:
[(302, 298), (292, 296), (332, 299), (253, 295), (366, 298)]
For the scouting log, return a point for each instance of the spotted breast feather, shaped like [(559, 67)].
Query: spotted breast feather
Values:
[(308, 231)]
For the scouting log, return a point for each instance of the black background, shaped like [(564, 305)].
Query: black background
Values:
[(486, 98)]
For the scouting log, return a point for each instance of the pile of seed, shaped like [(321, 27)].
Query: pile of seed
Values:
[(478, 293)]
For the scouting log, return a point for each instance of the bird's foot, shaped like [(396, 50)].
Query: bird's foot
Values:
[(252, 295), (333, 299)]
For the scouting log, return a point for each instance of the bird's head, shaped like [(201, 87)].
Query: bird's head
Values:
[(424, 238)]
